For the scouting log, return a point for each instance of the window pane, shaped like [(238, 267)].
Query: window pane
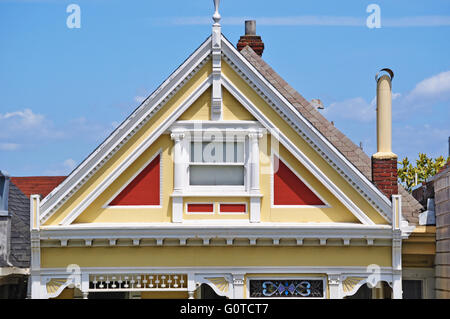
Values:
[(217, 152), (216, 175)]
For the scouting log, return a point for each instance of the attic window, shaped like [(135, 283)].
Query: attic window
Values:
[(217, 163)]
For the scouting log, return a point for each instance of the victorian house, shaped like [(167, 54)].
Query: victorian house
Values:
[(226, 182)]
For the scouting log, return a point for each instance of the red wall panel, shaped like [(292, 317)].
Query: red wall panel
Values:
[(144, 189), (232, 208), (200, 208), (290, 190)]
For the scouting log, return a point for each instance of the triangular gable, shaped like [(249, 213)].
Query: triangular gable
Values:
[(144, 189), (290, 189), (274, 98)]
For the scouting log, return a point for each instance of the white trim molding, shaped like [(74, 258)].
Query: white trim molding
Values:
[(222, 232)]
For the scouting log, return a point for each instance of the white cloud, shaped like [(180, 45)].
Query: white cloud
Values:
[(9, 146), (25, 118), (425, 94), (435, 87), (411, 134), (25, 125), (357, 109)]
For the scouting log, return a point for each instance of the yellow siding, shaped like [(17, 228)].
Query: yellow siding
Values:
[(190, 256), (200, 110), (233, 110)]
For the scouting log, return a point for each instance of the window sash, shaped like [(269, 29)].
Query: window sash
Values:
[(217, 175), (217, 152)]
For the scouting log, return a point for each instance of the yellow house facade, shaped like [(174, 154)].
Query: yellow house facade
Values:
[(218, 180)]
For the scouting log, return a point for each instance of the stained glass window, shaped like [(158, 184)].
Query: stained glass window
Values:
[(285, 288)]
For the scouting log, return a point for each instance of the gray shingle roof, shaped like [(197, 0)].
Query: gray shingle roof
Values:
[(410, 206), (19, 209)]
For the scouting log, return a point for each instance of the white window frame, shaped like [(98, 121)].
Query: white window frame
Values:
[(206, 131), (240, 138)]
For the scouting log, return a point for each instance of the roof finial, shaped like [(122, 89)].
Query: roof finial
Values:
[(216, 16)]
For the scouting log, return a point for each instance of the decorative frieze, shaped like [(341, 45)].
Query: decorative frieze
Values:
[(141, 282)]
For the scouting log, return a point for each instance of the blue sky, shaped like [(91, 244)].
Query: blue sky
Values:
[(64, 90)]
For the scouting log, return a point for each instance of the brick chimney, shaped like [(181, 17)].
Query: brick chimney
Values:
[(251, 39), (384, 162)]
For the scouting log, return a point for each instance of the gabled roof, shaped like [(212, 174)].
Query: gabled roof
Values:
[(331, 144), (410, 206), (41, 185)]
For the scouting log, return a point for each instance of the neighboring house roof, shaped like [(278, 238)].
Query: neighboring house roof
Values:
[(410, 206), (19, 210), (41, 185)]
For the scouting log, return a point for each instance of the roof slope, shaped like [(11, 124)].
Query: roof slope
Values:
[(41, 185), (410, 206)]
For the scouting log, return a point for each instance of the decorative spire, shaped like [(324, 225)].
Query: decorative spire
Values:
[(216, 53), (216, 16)]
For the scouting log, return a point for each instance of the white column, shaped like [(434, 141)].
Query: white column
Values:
[(255, 201), (254, 162), (179, 172), (191, 285), (35, 265), (238, 286), (179, 162), (397, 291), (85, 285), (334, 286)]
